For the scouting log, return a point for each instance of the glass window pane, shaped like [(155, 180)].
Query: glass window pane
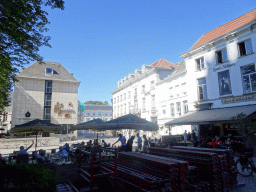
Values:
[(219, 58), (202, 62), (248, 45), (248, 69), (48, 70), (246, 84), (202, 81), (253, 82), (224, 55), (205, 92)]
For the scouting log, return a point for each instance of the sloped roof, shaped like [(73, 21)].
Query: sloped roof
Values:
[(161, 63), (97, 108), (37, 71), (93, 124), (226, 28)]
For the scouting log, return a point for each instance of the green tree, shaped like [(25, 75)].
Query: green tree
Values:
[(105, 103), (99, 103), (23, 23)]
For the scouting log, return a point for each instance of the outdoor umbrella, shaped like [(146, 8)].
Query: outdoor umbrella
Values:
[(93, 124), (37, 126), (128, 122)]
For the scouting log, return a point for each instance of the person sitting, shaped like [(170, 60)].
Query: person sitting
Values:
[(213, 143), (228, 141), (129, 143), (41, 157), (122, 139), (61, 153), (2, 160), (95, 142), (24, 151), (104, 143), (218, 141), (203, 143), (66, 147), (155, 140)]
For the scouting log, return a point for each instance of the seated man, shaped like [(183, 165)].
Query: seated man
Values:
[(66, 147), (104, 143), (24, 151), (61, 153), (41, 157)]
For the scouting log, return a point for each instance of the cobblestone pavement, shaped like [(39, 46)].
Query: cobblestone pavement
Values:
[(249, 182)]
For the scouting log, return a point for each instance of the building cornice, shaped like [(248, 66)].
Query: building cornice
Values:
[(171, 77), (139, 78), (225, 37)]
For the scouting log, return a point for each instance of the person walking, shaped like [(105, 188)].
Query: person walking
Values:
[(139, 141), (185, 136), (129, 143), (146, 143), (122, 139)]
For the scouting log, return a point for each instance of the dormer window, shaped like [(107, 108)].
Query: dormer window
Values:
[(49, 71)]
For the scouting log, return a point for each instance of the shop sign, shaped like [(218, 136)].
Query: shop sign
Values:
[(225, 66), (238, 99)]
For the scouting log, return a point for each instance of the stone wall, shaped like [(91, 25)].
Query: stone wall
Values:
[(17, 142)]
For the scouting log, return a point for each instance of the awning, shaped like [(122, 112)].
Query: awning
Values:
[(214, 116)]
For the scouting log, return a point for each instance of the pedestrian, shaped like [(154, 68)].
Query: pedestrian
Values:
[(146, 143), (129, 143), (122, 139), (139, 141), (185, 136)]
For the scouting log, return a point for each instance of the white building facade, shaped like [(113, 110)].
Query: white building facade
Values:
[(45, 91), (172, 100), (92, 112), (136, 94), (221, 66)]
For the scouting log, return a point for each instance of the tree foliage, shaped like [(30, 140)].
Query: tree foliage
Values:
[(95, 103), (23, 23)]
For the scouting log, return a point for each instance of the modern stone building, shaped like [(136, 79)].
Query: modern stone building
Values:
[(45, 91)]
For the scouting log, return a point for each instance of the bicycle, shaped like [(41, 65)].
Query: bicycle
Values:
[(245, 165)]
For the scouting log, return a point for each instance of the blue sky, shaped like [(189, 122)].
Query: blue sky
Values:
[(102, 41)]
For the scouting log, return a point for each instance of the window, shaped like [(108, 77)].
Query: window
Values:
[(48, 86), (152, 85), (49, 71), (106, 114), (171, 92), (120, 98), (177, 90), (202, 89), (125, 96), (153, 102), (129, 94), (135, 91), (164, 112), (121, 110), (224, 83), (143, 89), (93, 114), (124, 109), (221, 56), (249, 78), (47, 113), (143, 105), (99, 114), (114, 100), (245, 47), (200, 64), (185, 106), (184, 88), (129, 104), (117, 99), (172, 110), (48, 98), (88, 114), (178, 107)]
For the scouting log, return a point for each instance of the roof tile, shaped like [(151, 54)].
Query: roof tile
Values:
[(226, 28)]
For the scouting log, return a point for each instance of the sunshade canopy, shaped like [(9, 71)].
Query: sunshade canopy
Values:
[(220, 115), (37, 125), (128, 122), (93, 124)]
